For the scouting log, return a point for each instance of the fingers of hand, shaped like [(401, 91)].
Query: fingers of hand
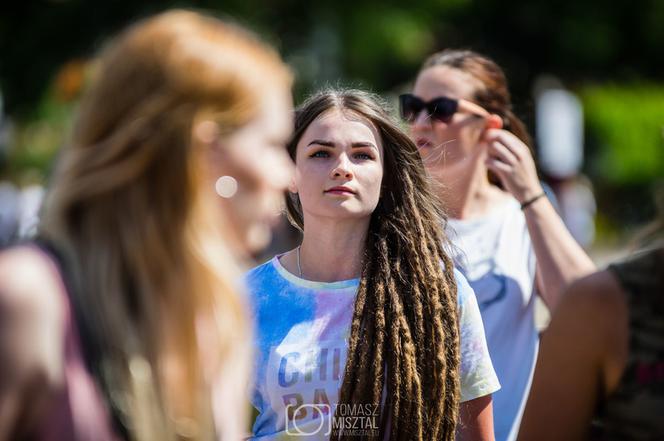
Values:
[(510, 141), (499, 151), (498, 166)]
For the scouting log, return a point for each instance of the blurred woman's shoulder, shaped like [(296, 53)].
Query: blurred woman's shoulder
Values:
[(30, 283), (597, 305), (599, 293), (32, 327)]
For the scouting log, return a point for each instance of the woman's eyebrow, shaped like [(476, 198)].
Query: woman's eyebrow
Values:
[(363, 144), (321, 142), (326, 143)]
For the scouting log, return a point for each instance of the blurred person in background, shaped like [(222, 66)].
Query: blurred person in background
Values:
[(10, 211), (368, 310), (19, 211), (560, 145), (602, 358), (511, 242), (10, 199), (122, 321)]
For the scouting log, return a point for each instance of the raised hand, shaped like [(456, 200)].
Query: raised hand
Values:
[(510, 159)]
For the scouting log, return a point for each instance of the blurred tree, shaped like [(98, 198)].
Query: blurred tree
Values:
[(376, 43), (628, 122)]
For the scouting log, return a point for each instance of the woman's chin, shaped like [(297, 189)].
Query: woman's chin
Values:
[(349, 211)]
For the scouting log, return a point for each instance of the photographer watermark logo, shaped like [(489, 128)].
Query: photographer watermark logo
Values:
[(319, 424), (322, 420)]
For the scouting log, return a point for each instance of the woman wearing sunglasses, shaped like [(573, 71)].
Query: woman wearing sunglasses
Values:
[(511, 242), (366, 320)]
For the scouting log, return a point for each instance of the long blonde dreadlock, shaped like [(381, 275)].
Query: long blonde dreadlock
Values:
[(404, 334)]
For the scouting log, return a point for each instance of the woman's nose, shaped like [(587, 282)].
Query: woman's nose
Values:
[(342, 168), (422, 121)]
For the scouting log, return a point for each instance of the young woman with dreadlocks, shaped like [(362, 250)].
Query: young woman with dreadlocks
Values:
[(371, 288)]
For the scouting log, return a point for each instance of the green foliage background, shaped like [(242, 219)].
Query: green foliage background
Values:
[(610, 54)]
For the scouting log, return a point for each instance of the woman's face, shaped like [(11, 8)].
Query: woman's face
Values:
[(339, 167), (454, 144), (254, 157)]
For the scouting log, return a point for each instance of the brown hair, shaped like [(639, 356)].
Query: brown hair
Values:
[(132, 212), (404, 334)]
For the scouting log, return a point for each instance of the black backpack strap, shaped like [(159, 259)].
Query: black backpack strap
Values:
[(92, 353)]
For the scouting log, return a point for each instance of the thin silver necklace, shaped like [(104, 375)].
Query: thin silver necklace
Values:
[(299, 268)]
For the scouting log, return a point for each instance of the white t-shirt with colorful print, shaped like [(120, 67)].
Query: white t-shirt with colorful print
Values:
[(301, 333)]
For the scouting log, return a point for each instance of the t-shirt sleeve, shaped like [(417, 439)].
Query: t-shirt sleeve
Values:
[(477, 375)]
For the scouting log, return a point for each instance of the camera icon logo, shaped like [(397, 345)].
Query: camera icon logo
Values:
[(304, 416)]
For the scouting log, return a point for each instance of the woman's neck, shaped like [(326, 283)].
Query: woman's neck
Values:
[(468, 194), (331, 250)]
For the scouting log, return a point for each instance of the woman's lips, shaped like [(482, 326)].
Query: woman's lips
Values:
[(422, 142), (340, 190)]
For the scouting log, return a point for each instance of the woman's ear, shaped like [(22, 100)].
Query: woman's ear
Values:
[(206, 132), (494, 121), (292, 188)]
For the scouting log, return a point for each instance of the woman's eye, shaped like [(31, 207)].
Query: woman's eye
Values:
[(363, 156), (319, 154)]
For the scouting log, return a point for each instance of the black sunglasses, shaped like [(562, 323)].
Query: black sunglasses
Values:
[(440, 108)]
